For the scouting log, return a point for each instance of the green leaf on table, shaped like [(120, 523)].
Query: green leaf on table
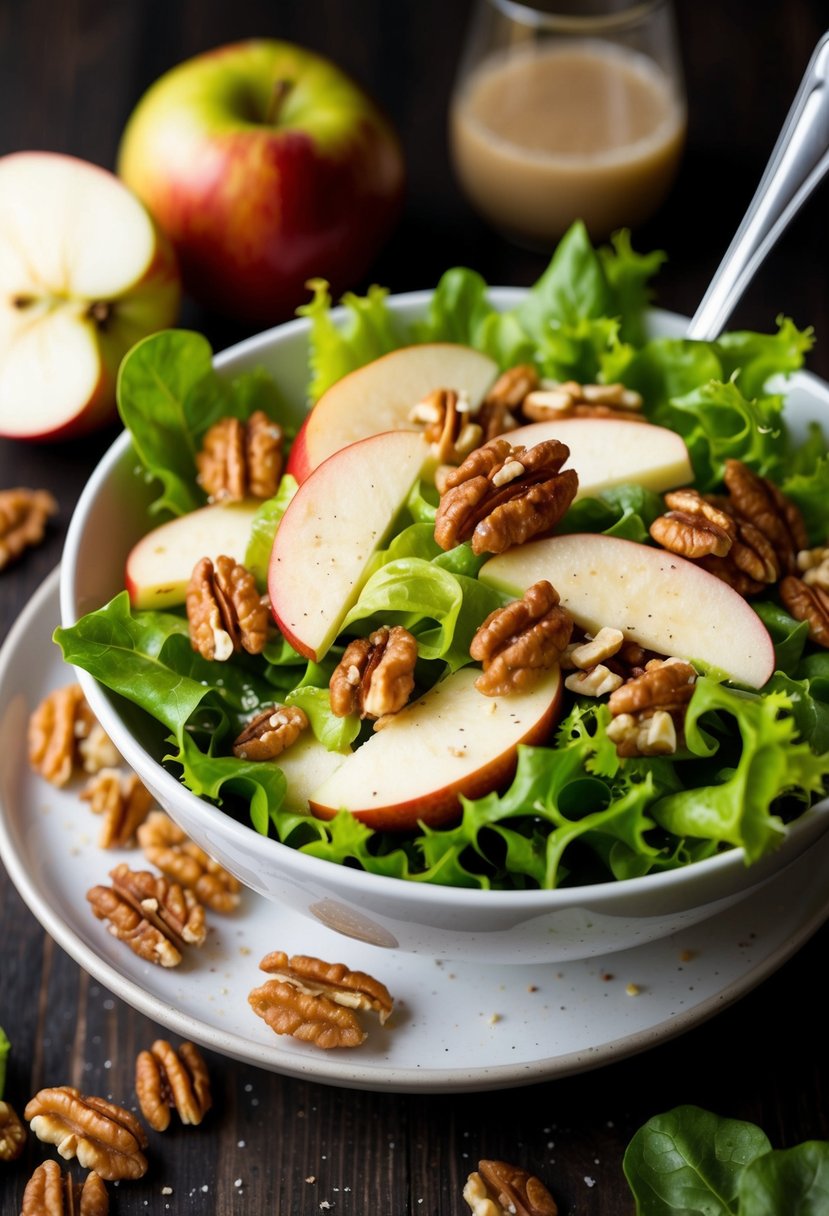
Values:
[(793, 1181), (691, 1162), (5, 1048)]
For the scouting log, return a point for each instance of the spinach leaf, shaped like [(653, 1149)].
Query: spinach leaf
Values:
[(794, 1181)]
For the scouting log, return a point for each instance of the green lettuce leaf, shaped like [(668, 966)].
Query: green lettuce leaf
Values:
[(370, 330), (794, 1181)]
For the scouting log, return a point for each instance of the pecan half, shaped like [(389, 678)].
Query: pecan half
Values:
[(241, 459), (181, 860), (517, 643), (500, 1189), (497, 412), (353, 989), (52, 1193), (167, 1079), (312, 1019), (153, 916), (225, 611), (270, 732), (569, 399), (123, 801), (104, 1137), (808, 603), (693, 527), (447, 424), (375, 676), (501, 496), (761, 503), (64, 736), (649, 710), (23, 517), (12, 1133)]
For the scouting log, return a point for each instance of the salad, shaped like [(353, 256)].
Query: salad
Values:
[(581, 806)]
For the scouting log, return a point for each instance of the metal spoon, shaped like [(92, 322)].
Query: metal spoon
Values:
[(798, 162)]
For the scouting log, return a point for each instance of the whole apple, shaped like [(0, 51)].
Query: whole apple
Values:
[(266, 166), (84, 274)]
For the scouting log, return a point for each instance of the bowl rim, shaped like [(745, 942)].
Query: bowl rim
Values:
[(352, 880)]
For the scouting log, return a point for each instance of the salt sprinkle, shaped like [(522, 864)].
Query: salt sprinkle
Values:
[(238, 1182), (590, 1181), (240, 1144), (166, 1190), (205, 1188)]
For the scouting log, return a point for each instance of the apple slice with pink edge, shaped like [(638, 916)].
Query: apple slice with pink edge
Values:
[(381, 395), (159, 566), (451, 741), (657, 599), (607, 452), (337, 520)]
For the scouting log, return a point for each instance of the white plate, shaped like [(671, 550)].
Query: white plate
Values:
[(455, 1027)]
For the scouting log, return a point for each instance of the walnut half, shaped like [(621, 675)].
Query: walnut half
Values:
[(12, 1133), (225, 612), (517, 643), (103, 1136), (500, 1189), (375, 676)]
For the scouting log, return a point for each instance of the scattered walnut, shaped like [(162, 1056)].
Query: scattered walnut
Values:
[(517, 643), (12, 1133), (448, 425), (166, 1079), (51, 1193), (587, 654), (241, 460), (649, 710), (499, 1189), (167, 847), (270, 732), (65, 736), (808, 603), (760, 502), (501, 496), (375, 676), (23, 517), (693, 527), (104, 1137), (153, 916), (594, 681), (569, 399), (123, 801), (225, 611), (315, 1001)]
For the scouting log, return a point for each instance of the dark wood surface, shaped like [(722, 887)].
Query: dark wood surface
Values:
[(70, 72)]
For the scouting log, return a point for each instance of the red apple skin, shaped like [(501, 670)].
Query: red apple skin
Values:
[(254, 205), (442, 807), (299, 463)]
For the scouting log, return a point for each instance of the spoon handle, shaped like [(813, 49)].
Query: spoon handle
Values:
[(798, 162)]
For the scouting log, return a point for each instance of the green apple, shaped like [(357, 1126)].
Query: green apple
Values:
[(84, 274), (266, 165)]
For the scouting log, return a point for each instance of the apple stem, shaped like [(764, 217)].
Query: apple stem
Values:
[(281, 89), (99, 312)]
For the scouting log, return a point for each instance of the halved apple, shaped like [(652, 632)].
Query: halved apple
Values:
[(335, 522), (380, 396), (606, 452), (84, 274), (451, 741), (661, 601), (159, 566)]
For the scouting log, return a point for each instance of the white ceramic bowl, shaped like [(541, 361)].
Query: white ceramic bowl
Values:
[(492, 926)]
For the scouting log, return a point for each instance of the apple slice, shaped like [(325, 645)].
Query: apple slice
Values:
[(335, 522), (84, 274), (657, 599), (606, 452), (380, 396), (451, 741), (159, 566), (306, 765)]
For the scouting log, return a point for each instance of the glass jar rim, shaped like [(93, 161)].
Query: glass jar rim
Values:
[(593, 23)]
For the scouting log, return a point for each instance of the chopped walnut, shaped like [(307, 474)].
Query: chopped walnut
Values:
[(808, 603), (760, 502), (693, 527), (500, 1189), (594, 681), (448, 425), (123, 801), (517, 643), (104, 1137), (587, 654), (270, 732), (64, 736), (813, 566), (497, 413), (167, 1079), (52, 1193), (502, 496), (225, 611), (569, 399), (153, 916), (181, 860), (12, 1133), (316, 1001), (375, 676), (649, 710), (241, 459), (23, 517)]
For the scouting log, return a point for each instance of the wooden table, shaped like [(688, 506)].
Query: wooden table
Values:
[(69, 75)]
